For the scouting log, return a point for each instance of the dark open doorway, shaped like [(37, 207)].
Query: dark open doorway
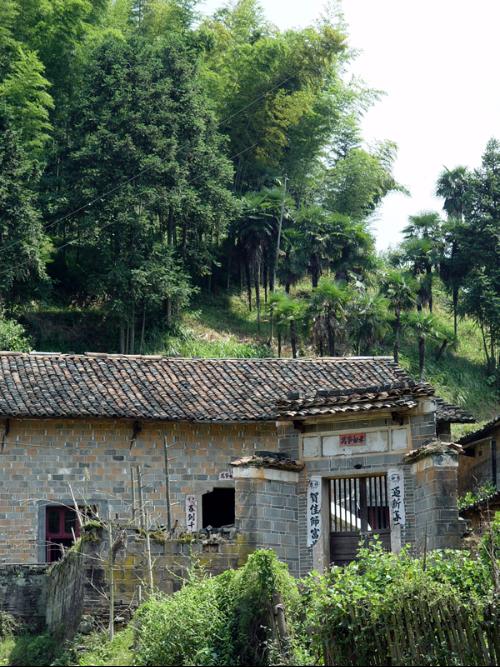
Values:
[(218, 508)]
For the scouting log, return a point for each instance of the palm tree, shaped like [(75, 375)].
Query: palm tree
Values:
[(423, 248), (453, 185), (254, 232), (288, 314), (400, 292), (424, 326), (327, 309), (369, 321)]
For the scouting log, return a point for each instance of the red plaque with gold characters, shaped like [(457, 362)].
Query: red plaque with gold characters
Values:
[(352, 439)]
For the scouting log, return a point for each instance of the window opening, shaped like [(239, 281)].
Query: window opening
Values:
[(218, 508)]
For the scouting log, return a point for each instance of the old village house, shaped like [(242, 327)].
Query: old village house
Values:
[(302, 456)]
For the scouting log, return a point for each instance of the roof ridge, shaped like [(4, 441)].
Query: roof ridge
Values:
[(118, 355)]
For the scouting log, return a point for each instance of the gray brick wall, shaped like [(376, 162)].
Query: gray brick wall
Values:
[(267, 512), (42, 457), (436, 520), (423, 429)]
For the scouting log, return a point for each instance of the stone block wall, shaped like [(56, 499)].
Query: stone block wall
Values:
[(171, 561), (423, 429), (41, 457), (22, 593), (64, 601), (59, 596), (267, 512), (437, 521)]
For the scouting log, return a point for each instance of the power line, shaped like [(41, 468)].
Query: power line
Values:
[(111, 222), (106, 194)]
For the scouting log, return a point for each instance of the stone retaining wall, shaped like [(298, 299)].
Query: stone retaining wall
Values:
[(22, 593)]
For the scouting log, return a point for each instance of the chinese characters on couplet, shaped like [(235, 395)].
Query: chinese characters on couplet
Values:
[(191, 514), (313, 511), (396, 498), (352, 439)]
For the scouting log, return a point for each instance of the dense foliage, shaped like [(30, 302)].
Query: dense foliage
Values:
[(150, 154), (228, 619), (224, 620)]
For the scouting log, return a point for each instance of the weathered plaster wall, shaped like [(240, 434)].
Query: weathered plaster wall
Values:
[(42, 457)]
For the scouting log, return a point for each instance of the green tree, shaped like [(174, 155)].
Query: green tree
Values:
[(145, 135), (480, 240), (400, 293), (358, 182), (288, 84), (22, 242), (24, 93), (328, 314)]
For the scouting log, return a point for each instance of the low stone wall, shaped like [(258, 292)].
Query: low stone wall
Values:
[(171, 561), (78, 586), (66, 592), (23, 593), (73, 593)]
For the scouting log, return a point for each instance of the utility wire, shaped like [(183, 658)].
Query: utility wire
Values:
[(106, 194), (112, 222)]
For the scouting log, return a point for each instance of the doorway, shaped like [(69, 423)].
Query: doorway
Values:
[(359, 509), (61, 529)]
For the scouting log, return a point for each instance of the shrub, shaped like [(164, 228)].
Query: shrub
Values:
[(13, 336), (471, 497), (400, 608), (181, 629), (221, 620), (8, 625), (34, 650)]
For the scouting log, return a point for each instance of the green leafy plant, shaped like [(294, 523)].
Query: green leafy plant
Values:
[(473, 497)]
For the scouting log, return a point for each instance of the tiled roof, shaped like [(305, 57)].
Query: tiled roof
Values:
[(170, 388), (490, 501), (382, 397), (435, 446), (260, 460), (481, 432), (446, 412)]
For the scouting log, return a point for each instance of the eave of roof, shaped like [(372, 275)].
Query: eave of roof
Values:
[(480, 433), (493, 498), (392, 398), (446, 412)]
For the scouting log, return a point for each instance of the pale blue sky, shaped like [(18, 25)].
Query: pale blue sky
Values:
[(437, 61)]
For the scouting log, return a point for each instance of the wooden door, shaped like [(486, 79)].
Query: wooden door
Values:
[(359, 509), (59, 521)]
